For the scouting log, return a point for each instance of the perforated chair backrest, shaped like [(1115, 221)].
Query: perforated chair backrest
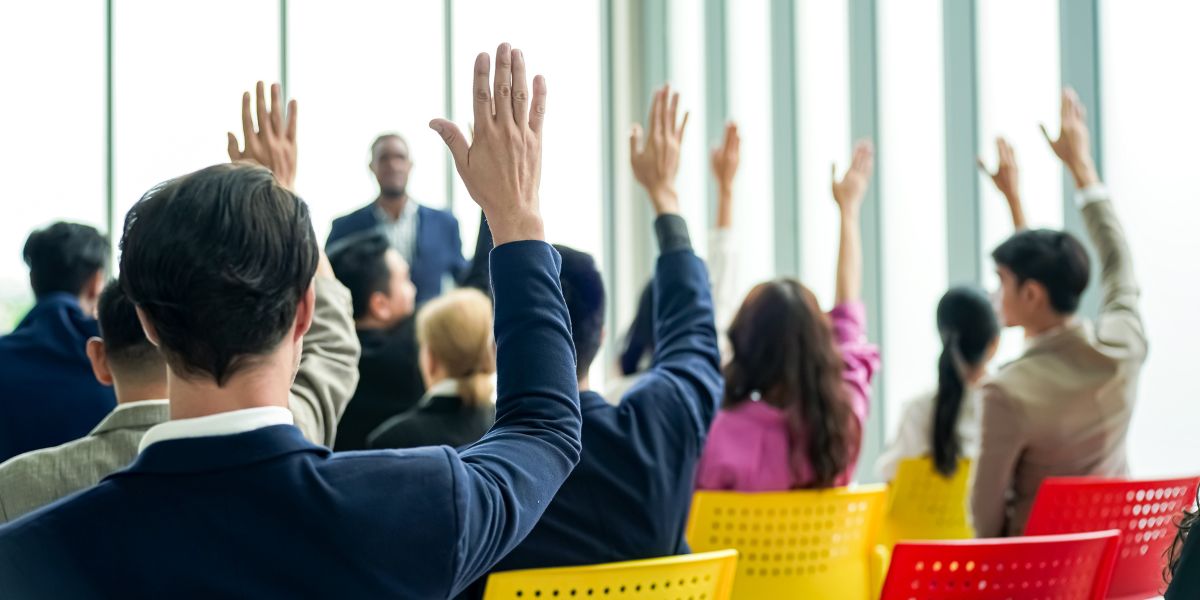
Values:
[(925, 505), (1146, 513), (801, 544), (1074, 566), (707, 576)]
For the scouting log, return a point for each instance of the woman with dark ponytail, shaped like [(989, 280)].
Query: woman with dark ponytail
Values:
[(798, 381), (1183, 559), (945, 425)]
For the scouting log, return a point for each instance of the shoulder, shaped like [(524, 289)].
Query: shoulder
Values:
[(437, 217), (363, 217)]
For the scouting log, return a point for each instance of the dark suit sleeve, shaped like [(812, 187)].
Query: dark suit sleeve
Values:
[(504, 482), (477, 273), (685, 379)]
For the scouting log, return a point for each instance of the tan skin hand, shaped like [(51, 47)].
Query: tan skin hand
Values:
[(724, 160), (655, 160), (501, 165), (1007, 180), (273, 144), (1073, 146)]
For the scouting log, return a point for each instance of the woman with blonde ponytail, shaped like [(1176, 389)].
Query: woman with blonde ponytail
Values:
[(458, 363)]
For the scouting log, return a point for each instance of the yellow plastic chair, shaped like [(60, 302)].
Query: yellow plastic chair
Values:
[(707, 576), (924, 505), (809, 544)]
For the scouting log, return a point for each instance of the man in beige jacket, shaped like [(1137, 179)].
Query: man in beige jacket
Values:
[(1063, 407)]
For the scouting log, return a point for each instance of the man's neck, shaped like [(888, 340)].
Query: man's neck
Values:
[(128, 393), (585, 385), (1044, 325), (392, 205), (265, 384), (373, 324)]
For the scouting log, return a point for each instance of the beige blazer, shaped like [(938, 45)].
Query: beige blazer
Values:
[(1063, 408), (324, 383)]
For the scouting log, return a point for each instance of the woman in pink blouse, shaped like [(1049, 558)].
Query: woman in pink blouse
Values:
[(798, 386)]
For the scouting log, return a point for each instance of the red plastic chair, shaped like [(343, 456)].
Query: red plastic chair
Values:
[(1146, 512), (1075, 566)]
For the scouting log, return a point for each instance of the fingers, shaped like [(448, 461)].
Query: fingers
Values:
[(453, 137), (520, 91), (481, 90), (234, 153), (276, 108), (682, 127), (538, 116), (264, 119), (864, 157), (291, 121), (502, 97), (1046, 133), (672, 115), (983, 166), (247, 120)]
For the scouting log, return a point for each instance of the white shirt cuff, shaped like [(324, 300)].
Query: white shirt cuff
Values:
[(1096, 192)]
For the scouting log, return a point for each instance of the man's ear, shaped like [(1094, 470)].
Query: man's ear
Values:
[(99, 359), (1034, 293), (147, 327), (304, 312), (379, 307)]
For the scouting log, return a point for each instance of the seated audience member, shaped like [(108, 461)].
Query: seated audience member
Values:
[(638, 351), (458, 361), (798, 382), (220, 265), (389, 376), (944, 425), (1184, 560), (630, 494), (1063, 407), (47, 393)]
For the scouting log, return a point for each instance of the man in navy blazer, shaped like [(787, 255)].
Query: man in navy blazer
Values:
[(48, 395), (629, 497), (228, 499), (428, 239)]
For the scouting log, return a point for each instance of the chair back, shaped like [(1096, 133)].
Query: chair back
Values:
[(925, 505), (708, 575)]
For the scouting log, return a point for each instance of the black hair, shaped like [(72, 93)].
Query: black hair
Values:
[(1055, 259), (361, 267), (386, 136), (639, 340), (218, 261), (125, 343), (63, 257), (1187, 524), (583, 289), (968, 326)]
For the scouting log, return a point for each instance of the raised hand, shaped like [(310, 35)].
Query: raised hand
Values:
[(725, 159), (1073, 145), (656, 162), (1006, 178), (501, 165), (273, 144), (849, 192)]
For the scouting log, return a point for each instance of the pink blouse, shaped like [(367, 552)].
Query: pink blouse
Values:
[(748, 447)]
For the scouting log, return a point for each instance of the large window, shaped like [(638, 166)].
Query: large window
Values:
[(1019, 87), (359, 69), (1150, 127), (53, 130), (179, 70), (688, 76), (912, 194)]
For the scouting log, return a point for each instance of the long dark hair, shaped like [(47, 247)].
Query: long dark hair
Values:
[(1175, 553), (968, 325), (783, 349)]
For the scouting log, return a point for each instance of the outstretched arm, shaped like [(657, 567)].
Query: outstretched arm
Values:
[(511, 475), (849, 194), (1007, 181), (722, 250)]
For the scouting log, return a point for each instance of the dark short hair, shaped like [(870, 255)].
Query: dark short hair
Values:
[(361, 267), (218, 261), (63, 257), (386, 136), (583, 289), (125, 343), (1052, 258)]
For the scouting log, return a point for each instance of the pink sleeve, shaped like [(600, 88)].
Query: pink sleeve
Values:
[(860, 357)]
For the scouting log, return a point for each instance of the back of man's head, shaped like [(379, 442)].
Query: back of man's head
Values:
[(361, 267), (1054, 259), (218, 262), (129, 354), (64, 257), (583, 289)]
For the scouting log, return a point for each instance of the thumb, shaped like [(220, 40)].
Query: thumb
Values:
[(1049, 139), (234, 154), (635, 140), (833, 173), (455, 142), (982, 166)]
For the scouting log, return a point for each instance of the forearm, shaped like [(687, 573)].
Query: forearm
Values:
[(849, 265), (724, 206), (1017, 210), (328, 371)]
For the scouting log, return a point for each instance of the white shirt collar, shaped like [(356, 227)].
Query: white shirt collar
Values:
[(125, 405), (226, 423)]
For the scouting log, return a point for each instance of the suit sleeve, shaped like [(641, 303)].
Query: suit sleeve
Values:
[(1119, 326), (684, 381), (328, 372), (506, 480), (1000, 448), (477, 274)]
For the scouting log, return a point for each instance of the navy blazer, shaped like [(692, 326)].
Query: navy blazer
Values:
[(48, 394), (437, 253), (266, 514), (629, 497)]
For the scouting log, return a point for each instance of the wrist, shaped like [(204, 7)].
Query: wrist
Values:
[(1084, 173), (516, 228), (725, 190), (665, 200), (850, 210)]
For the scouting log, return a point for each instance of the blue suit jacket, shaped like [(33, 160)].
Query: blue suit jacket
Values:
[(629, 497), (438, 251), (266, 514), (48, 394)]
